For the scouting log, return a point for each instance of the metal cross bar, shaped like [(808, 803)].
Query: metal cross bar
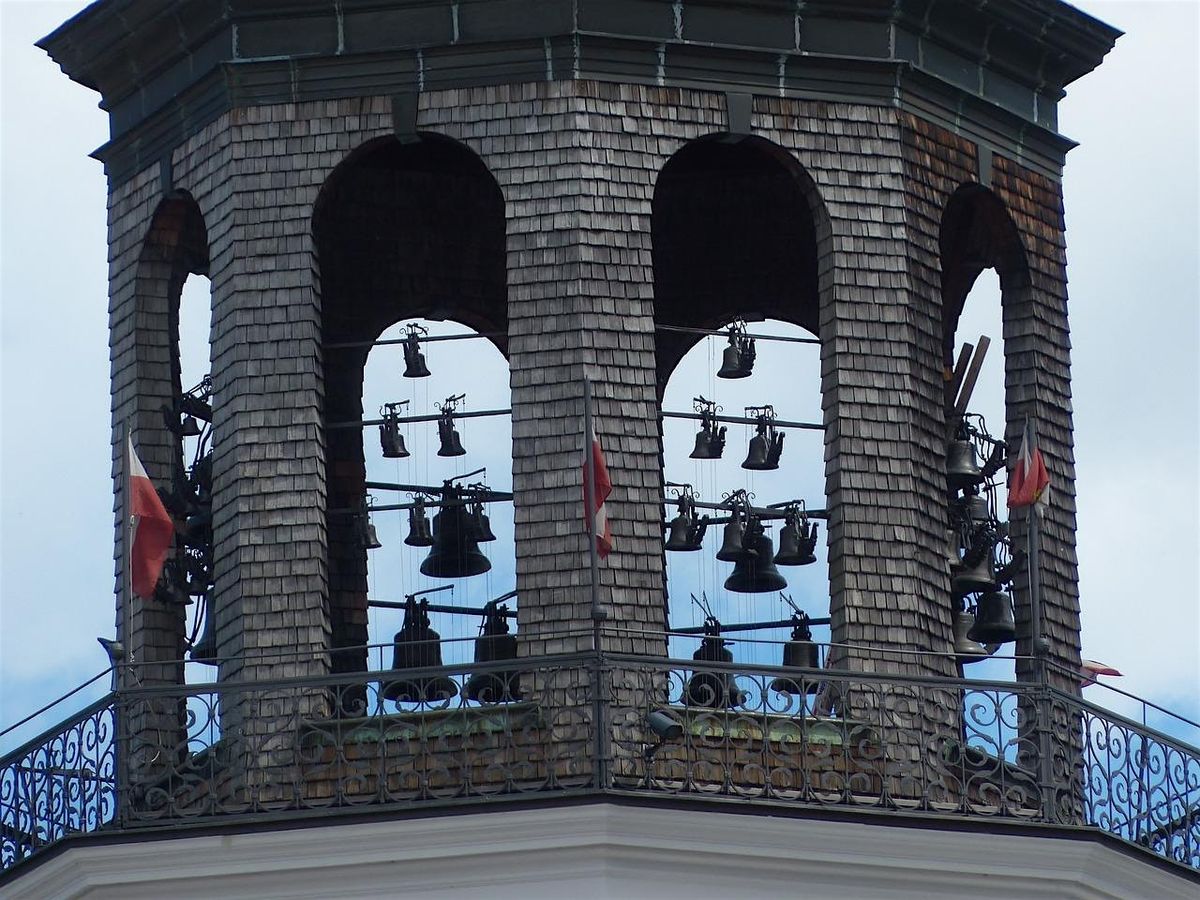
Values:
[(750, 626), (742, 420), (773, 511), (431, 417), (426, 489), (429, 338), (724, 331), (452, 608)]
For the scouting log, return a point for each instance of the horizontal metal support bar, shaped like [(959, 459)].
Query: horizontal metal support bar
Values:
[(749, 626), (774, 511), (426, 489), (723, 332), (453, 609), (427, 339), (744, 420), (431, 417)]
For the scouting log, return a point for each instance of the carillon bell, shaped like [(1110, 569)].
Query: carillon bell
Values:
[(391, 440), (966, 649), (962, 465), (419, 532), (714, 690), (977, 572), (972, 507), (686, 535), (755, 572), (494, 644), (766, 447), (451, 443), (797, 543), (417, 646), (414, 359), (799, 653), (481, 525), (994, 622), (190, 427), (366, 529), (737, 360), (454, 552), (710, 443), (371, 538), (731, 544), (205, 648)]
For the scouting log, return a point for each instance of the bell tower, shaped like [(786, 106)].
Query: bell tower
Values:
[(593, 187)]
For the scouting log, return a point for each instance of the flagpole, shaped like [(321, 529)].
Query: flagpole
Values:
[(1033, 537), (589, 480)]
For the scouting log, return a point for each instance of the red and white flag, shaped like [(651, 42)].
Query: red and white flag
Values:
[(1029, 484), (152, 527), (595, 519), (1089, 669)]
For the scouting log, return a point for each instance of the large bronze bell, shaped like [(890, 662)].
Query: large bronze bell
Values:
[(414, 359), (494, 644), (799, 653), (797, 543), (451, 443), (994, 622), (966, 649), (454, 553), (417, 646), (754, 572), (419, 532), (962, 465), (714, 690)]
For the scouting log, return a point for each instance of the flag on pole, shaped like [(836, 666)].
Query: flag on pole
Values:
[(594, 516), (1089, 669), (1029, 484), (152, 527)]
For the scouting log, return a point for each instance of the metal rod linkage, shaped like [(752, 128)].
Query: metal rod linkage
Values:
[(742, 420), (432, 417), (724, 331), (774, 511), (450, 608), (751, 626), (429, 338)]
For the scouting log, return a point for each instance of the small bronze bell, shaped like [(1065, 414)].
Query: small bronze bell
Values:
[(797, 543), (994, 622), (391, 440), (419, 532), (731, 544), (755, 572), (972, 508), (480, 524), (962, 465), (977, 572), (710, 443), (713, 690), (451, 443), (190, 427), (417, 646), (737, 360), (205, 648), (966, 649), (799, 653), (494, 644), (414, 359), (766, 447)]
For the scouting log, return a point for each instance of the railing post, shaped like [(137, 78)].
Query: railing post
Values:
[(1045, 750), (601, 737)]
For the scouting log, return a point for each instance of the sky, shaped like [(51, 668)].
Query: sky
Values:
[(1132, 202)]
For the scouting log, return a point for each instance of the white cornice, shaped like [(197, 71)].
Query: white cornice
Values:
[(600, 850)]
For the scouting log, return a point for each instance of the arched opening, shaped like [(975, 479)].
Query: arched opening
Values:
[(737, 234), (984, 277), (168, 353), (403, 231)]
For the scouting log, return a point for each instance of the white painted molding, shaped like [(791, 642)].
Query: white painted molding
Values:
[(600, 851)]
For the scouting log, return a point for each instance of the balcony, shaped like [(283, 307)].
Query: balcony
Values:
[(583, 725)]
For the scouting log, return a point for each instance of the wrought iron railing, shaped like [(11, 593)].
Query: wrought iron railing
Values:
[(583, 724)]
